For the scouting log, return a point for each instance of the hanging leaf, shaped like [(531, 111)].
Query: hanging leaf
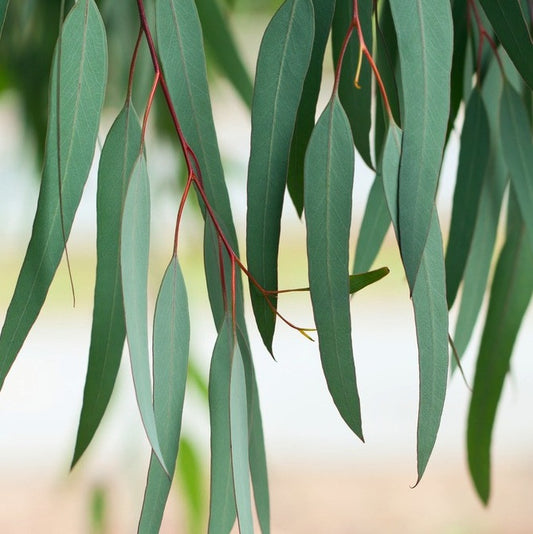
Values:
[(517, 144), (134, 251), (120, 151), (356, 101), (361, 280), (390, 168), (511, 292), (81, 93), (281, 68), (473, 159), (512, 30), (425, 41), (305, 119), (170, 357), (220, 41), (329, 171)]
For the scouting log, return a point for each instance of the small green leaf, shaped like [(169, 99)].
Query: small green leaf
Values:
[(473, 159), (170, 356), (220, 41), (329, 172), (81, 94), (510, 295), (361, 280), (281, 68), (119, 154), (517, 144), (134, 252), (424, 30), (508, 21)]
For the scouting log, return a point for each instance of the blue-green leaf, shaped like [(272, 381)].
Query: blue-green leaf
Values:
[(119, 154), (81, 93), (329, 172), (473, 159), (170, 357), (390, 168), (510, 295), (220, 41), (508, 21), (305, 119), (424, 30), (517, 144), (361, 280), (281, 68), (134, 252)]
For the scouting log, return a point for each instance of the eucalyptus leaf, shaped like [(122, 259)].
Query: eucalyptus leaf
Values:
[(361, 280)]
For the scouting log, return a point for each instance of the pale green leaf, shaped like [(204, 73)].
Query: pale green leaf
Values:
[(329, 172), (119, 154), (424, 30), (281, 68), (390, 166), (134, 252), (361, 280), (81, 93), (170, 357)]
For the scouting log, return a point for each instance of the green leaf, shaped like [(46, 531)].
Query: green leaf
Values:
[(424, 30), (508, 22), (305, 119), (222, 510), (361, 280), (480, 256), (81, 93), (473, 159), (431, 318), (329, 171), (3, 10), (517, 145), (281, 68), (170, 356), (355, 101), (510, 295), (219, 39), (390, 167), (134, 252), (119, 154)]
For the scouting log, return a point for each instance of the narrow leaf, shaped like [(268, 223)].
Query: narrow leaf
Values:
[(119, 154), (510, 295), (329, 171), (170, 356), (361, 280), (305, 119), (424, 29), (473, 159), (81, 93), (390, 168), (134, 252), (219, 39), (517, 144), (508, 21), (3, 10), (281, 68)]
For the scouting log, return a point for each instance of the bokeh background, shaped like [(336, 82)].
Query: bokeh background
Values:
[(322, 478)]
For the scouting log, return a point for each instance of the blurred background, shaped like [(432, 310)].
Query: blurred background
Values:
[(322, 478)]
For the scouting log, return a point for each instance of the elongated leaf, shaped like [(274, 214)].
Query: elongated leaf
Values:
[(508, 21), (510, 295), (305, 119), (329, 171), (239, 443), (479, 259), (424, 29), (356, 101), (219, 38), (281, 68), (473, 159), (170, 354), (134, 251), (3, 10), (222, 510), (361, 280), (390, 168), (257, 455), (119, 154), (81, 93), (431, 318), (517, 144)]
